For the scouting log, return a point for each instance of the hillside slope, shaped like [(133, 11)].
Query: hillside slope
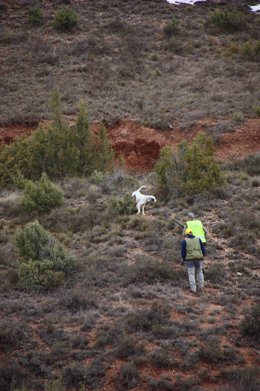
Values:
[(149, 61), (126, 319), (155, 74)]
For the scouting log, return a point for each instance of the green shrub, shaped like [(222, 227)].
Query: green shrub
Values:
[(39, 275), (35, 16), (14, 158), (123, 206), (41, 196), (257, 111), (191, 170), (171, 28), (251, 51), (250, 325), (229, 20), (96, 177), (57, 150), (104, 153), (238, 118), (65, 19), (43, 261)]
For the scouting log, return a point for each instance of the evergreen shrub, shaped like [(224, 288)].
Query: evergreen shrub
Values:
[(250, 325), (41, 196), (65, 19), (171, 28), (57, 150), (257, 111), (251, 51), (35, 16), (229, 20), (123, 206), (191, 170), (43, 261)]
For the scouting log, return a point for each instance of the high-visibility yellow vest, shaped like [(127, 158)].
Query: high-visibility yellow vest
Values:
[(197, 229), (193, 249)]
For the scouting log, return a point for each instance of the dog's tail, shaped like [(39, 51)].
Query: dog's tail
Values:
[(140, 188)]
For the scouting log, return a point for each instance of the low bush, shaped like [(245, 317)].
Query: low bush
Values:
[(41, 196), (151, 271), (229, 20), (250, 164), (123, 206), (35, 16), (147, 320), (191, 170), (242, 379), (57, 150), (52, 335), (44, 262), (215, 273), (14, 334), (257, 111), (77, 300), (211, 351), (12, 377), (39, 275), (250, 325), (95, 372), (161, 360), (245, 241), (65, 20), (128, 377), (129, 346), (251, 51), (73, 376), (171, 28)]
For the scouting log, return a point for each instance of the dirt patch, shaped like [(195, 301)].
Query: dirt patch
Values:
[(10, 133), (244, 141), (140, 145)]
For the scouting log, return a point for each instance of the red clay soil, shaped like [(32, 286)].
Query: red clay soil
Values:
[(140, 145)]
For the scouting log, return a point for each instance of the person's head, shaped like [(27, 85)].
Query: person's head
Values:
[(188, 231), (191, 215)]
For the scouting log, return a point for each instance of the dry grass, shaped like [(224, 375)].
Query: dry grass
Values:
[(122, 64)]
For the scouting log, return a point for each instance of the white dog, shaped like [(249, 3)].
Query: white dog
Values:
[(141, 200)]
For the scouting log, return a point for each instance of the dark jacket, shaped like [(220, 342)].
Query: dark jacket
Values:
[(184, 247)]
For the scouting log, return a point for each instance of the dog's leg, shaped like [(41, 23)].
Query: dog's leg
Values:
[(143, 210), (138, 209)]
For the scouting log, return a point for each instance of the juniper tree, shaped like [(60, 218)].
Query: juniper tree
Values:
[(191, 169), (105, 154)]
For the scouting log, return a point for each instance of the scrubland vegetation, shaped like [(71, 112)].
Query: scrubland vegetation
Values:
[(92, 296)]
